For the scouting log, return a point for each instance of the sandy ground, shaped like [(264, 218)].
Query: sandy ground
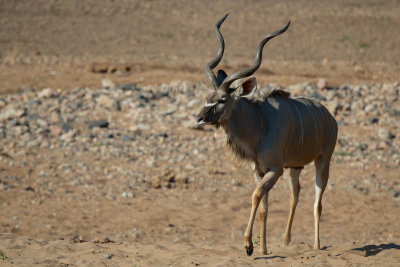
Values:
[(70, 44)]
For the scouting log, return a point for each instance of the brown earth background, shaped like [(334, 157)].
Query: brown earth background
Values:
[(65, 45)]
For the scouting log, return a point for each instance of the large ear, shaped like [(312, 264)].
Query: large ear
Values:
[(246, 87), (221, 77)]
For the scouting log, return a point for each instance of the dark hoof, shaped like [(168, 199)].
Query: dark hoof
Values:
[(249, 251)]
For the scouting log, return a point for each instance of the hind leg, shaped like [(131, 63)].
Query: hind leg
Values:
[(322, 175), (263, 224), (294, 197)]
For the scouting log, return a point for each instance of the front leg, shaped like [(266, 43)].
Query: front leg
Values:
[(263, 215), (262, 188)]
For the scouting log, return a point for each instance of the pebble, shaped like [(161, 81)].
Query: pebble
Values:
[(322, 84), (127, 138), (384, 134), (66, 127), (107, 256), (129, 87), (47, 93), (193, 103), (153, 128), (108, 135), (99, 123), (127, 194), (12, 112), (108, 84), (106, 101)]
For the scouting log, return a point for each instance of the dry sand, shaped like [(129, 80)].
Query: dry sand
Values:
[(69, 44)]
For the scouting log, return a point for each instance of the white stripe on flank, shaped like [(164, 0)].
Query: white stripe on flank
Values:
[(301, 122), (315, 123)]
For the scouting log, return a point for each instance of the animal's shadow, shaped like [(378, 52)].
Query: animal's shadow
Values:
[(269, 257), (372, 250)]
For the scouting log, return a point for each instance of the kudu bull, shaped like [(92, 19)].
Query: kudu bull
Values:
[(271, 130)]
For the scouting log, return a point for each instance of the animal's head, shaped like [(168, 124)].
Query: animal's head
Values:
[(221, 101)]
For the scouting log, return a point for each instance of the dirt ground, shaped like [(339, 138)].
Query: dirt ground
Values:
[(75, 44)]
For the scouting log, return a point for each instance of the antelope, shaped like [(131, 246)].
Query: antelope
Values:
[(271, 130)]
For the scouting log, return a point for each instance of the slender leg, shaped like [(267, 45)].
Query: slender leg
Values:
[(262, 188), (322, 175), (263, 224), (263, 215), (294, 197)]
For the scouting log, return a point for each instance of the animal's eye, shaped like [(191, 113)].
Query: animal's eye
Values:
[(222, 100)]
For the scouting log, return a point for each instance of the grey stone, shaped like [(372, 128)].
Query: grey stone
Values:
[(126, 137), (129, 87), (373, 120), (108, 135), (99, 123), (66, 127), (13, 122)]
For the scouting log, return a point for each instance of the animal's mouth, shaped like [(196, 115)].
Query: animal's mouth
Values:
[(201, 123), (200, 120)]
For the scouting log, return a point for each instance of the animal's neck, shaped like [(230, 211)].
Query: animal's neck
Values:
[(243, 128)]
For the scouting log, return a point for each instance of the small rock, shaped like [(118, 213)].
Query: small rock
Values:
[(108, 135), (126, 137), (193, 103), (108, 84), (55, 117), (129, 87), (107, 256), (322, 84), (3, 103), (373, 120), (99, 123), (116, 105), (395, 194), (11, 112), (127, 194), (42, 123), (66, 127), (107, 240), (68, 137), (334, 107), (370, 107), (106, 101), (47, 93), (79, 239), (155, 182), (13, 122), (57, 131), (30, 189), (330, 95), (385, 134), (98, 67), (142, 126), (20, 129)]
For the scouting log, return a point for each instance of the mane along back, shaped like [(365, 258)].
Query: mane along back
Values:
[(266, 92)]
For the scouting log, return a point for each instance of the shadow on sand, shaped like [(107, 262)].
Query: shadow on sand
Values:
[(372, 250), (269, 257)]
